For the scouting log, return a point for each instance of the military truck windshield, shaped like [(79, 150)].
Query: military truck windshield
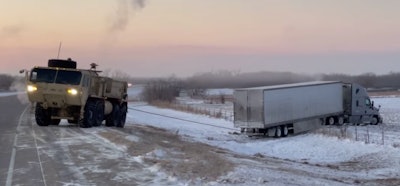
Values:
[(56, 76)]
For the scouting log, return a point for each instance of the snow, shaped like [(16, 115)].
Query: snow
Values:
[(313, 148), (5, 94)]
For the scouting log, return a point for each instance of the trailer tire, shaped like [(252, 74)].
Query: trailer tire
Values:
[(42, 116), (340, 120), (330, 121), (278, 132), (285, 130)]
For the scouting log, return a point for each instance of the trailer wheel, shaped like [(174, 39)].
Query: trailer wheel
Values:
[(340, 120), (42, 115), (331, 121), (285, 130), (278, 132)]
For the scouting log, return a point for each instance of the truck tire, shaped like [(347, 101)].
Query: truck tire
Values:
[(114, 118), (62, 63), (374, 121), (278, 132), (122, 119), (42, 115), (92, 116), (285, 130), (330, 121), (340, 120), (99, 113)]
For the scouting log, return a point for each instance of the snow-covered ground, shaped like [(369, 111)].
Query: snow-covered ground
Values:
[(314, 148)]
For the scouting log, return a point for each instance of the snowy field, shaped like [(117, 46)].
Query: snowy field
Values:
[(376, 158)]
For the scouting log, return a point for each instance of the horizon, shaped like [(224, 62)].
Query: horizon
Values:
[(179, 37)]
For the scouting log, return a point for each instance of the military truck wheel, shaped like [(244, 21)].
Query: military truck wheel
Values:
[(99, 113), (55, 121), (42, 115), (122, 119), (89, 116), (114, 118)]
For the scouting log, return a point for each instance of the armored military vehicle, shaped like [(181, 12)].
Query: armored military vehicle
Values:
[(61, 91)]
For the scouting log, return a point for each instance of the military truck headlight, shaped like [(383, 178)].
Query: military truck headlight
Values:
[(72, 91), (31, 88)]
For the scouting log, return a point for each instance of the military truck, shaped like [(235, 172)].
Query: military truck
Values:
[(83, 97)]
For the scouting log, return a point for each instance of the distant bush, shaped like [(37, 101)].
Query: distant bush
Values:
[(5, 82), (161, 90)]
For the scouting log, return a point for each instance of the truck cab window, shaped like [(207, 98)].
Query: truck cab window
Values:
[(367, 102)]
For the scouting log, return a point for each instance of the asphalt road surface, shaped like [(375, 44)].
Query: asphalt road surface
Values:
[(69, 155)]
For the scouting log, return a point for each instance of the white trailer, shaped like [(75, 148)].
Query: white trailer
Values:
[(294, 108)]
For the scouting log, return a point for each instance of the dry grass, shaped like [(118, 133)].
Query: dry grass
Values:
[(340, 133), (187, 108)]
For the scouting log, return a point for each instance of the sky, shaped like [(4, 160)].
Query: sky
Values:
[(158, 38)]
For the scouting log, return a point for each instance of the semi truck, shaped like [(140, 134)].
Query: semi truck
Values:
[(294, 108), (81, 96)]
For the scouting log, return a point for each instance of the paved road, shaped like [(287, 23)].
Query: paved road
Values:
[(13, 128)]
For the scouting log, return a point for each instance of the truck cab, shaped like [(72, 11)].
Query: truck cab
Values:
[(359, 107)]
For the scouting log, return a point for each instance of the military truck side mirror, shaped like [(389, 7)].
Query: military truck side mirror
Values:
[(372, 103)]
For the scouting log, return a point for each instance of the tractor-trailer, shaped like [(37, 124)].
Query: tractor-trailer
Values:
[(294, 108)]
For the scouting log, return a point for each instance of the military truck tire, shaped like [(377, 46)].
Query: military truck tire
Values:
[(114, 118), (55, 121), (89, 118), (122, 119), (62, 63), (98, 113), (42, 115)]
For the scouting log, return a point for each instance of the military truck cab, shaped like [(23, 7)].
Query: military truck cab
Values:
[(61, 91)]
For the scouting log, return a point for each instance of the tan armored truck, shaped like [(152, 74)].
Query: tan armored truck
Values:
[(61, 91)]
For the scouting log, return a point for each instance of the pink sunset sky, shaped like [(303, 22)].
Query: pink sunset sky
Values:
[(147, 38)]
